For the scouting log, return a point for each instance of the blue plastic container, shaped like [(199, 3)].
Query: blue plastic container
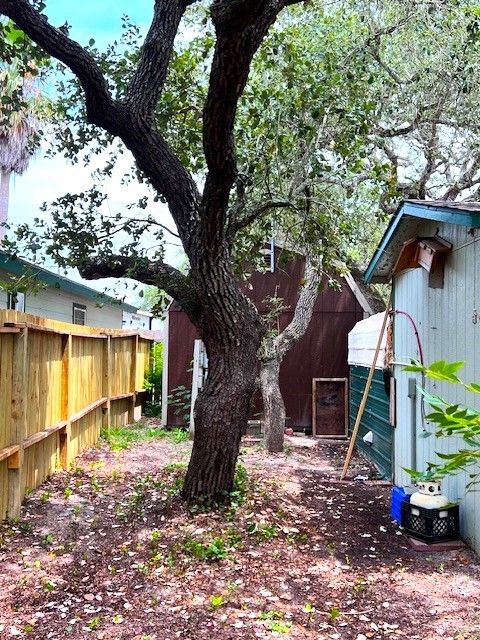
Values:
[(399, 496)]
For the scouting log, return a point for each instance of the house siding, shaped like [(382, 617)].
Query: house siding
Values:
[(57, 305), (444, 321)]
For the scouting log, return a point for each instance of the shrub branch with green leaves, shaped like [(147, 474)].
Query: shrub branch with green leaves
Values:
[(450, 419)]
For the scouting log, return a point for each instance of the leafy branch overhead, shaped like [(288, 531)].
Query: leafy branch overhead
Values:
[(451, 420)]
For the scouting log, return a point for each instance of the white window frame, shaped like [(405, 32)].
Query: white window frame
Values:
[(77, 307), (16, 301)]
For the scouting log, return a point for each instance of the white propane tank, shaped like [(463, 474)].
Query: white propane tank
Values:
[(429, 496)]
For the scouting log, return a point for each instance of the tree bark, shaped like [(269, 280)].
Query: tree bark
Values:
[(273, 405), (221, 413), (273, 351), (4, 200), (231, 330)]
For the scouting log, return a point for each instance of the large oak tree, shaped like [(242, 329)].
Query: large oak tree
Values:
[(229, 325)]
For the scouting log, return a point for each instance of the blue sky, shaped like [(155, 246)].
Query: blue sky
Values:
[(98, 19), (48, 178)]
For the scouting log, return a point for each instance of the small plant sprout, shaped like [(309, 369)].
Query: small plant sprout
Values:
[(274, 621), (271, 615), (94, 623), (48, 586), (279, 626), (334, 613), (309, 609), (45, 496), (216, 601), (67, 492), (47, 539)]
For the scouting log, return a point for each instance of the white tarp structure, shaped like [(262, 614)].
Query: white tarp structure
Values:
[(363, 339)]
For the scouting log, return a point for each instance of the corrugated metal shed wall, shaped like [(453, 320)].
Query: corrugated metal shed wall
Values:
[(444, 319), (376, 418)]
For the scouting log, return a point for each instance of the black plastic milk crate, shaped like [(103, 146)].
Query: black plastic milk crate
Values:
[(431, 525)]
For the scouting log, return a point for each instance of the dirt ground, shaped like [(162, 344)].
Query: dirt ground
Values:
[(108, 551)]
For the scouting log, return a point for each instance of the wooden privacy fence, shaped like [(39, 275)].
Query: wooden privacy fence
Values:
[(59, 384)]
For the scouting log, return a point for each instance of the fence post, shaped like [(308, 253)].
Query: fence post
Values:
[(65, 433), (133, 381), (18, 422), (107, 387)]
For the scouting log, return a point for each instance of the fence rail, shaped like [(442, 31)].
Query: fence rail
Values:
[(59, 384)]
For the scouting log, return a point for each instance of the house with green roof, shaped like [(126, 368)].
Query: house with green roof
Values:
[(27, 287)]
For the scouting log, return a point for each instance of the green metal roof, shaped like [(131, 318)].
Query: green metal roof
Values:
[(18, 266), (409, 214)]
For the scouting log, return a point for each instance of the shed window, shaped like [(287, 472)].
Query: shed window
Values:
[(16, 301), (79, 313)]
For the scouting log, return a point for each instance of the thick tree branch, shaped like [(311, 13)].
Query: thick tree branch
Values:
[(250, 217), (468, 179), (149, 78), (154, 157), (99, 103), (392, 132), (241, 26), (375, 53), (159, 274)]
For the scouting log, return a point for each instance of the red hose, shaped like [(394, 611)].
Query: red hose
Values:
[(417, 335)]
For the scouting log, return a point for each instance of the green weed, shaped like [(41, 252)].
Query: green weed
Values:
[(48, 586), (119, 438), (279, 626), (216, 549), (263, 530), (334, 613), (94, 623), (216, 601), (177, 435), (175, 466), (270, 615), (47, 539)]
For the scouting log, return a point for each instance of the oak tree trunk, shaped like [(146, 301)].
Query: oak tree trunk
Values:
[(273, 405), (231, 331), (221, 413)]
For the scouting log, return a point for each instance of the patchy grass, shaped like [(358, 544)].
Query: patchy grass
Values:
[(119, 438)]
